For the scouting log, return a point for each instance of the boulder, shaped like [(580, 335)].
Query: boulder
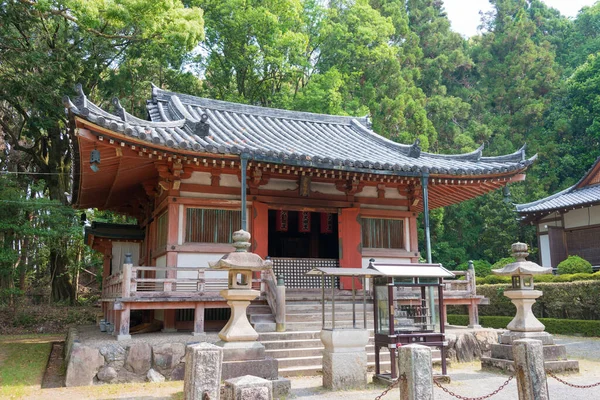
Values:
[(467, 348), (114, 355), (178, 372), (107, 374), (139, 358), (167, 356), (83, 365), (154, 376), (486, 338)]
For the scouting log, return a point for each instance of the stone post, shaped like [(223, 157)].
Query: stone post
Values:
[(529, 369), (280, 296), (248, 387), (344, 358), (414, 364), (202, 372)]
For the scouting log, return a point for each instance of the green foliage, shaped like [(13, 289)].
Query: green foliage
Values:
[(545, 278), (501, 263), (569, 299), (553, 325), (573, 265), (482, 267)]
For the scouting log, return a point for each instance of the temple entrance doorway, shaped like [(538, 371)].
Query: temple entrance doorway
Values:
[(300, 241)]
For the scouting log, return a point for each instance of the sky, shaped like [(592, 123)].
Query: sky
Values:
[(465, 18)]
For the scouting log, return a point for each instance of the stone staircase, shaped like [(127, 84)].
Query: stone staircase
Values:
[(299, 349)]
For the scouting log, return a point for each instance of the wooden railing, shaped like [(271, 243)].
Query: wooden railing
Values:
[(142, 282), (275, 296)]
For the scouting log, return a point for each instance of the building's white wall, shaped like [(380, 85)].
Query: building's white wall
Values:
[(385, 260), (161, 262), (368, 191), (545, 251), (582, 217), (193, 260), (228, 180), (198, 178), (553, 219), (280, 184), (392, 193), (324, 188), (119, 249)]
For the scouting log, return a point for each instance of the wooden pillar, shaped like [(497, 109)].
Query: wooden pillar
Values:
[(260, 229), (414, 237), (123, 323), (199, 320), (350, 244), (171, 259)]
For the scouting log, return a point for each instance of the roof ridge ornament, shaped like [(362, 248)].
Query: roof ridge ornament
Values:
[(200, 128), (415, 149), (81, 99), (119, 110)]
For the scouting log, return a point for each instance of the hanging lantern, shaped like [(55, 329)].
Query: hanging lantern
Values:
[(95, 160), (326, 223), (304, 221), (281, 221)]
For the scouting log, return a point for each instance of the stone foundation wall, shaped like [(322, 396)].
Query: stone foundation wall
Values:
[(471, 345), (116, 362)]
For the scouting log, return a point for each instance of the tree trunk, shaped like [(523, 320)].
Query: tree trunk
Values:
[(62, 288)]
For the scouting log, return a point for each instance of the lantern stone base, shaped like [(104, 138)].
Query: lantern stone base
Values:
[(555, 355), (238, 327), (344, 358), (524, 320)]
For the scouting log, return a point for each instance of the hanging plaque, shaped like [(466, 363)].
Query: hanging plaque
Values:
[(326, 223), (281, 221), (304, 221)]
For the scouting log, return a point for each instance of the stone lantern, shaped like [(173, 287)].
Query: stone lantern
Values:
[(522, 293), (240, 265), (525, 325)]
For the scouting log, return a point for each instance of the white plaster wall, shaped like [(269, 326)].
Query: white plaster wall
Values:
[(161, 262), (392, 193), (385, 260), (545, 251), (193, 260), (198, 178), (229, 180), (324, 188), (118, 254), (380, 207), (180, 226), (368, 191), (582, 217), (210, 195), (280, 184), (407, 234)]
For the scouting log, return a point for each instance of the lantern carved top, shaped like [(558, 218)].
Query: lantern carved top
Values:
[(241, 259), (521, 266)]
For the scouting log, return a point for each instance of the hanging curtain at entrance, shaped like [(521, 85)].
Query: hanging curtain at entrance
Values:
[(281, 221), (304, 221), (326, 223)]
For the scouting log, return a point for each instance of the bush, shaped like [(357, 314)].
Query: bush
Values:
[(482, 267), (545, 278), (553, 325), (501, 263), (573, 265), (568, 300)]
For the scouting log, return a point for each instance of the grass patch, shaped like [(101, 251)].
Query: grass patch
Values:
[(22, 363)]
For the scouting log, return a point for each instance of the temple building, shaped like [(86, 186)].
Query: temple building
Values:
[(318, 191), (568, 222)]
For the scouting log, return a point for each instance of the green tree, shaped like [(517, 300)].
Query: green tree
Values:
[(48, 46)]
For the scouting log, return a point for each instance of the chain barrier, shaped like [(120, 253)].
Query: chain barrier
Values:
[(572, 384), (487, 396), (390, 387)]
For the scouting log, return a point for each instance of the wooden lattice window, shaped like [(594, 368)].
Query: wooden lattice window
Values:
[(382, 233), (162, 226), (585, 243), (211, 226)]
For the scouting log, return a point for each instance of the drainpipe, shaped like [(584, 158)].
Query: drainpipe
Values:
[(244, 158), (424, 185)]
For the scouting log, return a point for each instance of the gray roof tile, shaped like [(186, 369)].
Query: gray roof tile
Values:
[(292, 137)]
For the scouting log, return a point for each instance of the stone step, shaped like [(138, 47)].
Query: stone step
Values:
[(316, 325), (298, 335), (313, 370), (305, 351), (255, 318), (339, 316), (313, 307)]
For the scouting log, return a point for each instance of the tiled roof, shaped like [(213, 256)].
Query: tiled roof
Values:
[(574, 196), (568, 198), (186, 122)]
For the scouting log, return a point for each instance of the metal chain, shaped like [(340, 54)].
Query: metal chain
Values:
[(487, 396), (390, 387), (572, 384)]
